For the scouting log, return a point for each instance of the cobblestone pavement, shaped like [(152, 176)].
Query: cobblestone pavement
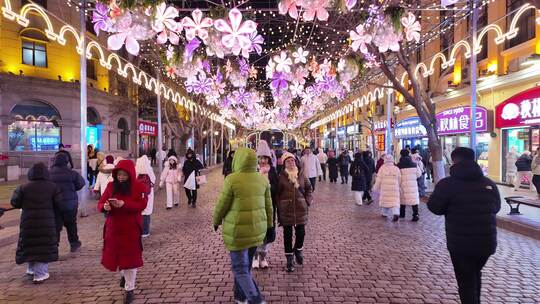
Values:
[(352, 256)]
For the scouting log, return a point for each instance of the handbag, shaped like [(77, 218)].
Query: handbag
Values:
[(201, 179), (270, 235)]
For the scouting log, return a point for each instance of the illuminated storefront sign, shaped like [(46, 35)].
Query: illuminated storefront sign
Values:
[(382, 125), (93, 136), (381, 139), (409, 128), (519, 110), (147, 128), (458, 120)]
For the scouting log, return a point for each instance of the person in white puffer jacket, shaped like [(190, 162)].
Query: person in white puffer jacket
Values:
[(171, 177), (143, 166), (409, 185), (387, 187)]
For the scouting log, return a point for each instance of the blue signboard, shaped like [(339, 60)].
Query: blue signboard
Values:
[(93, 136), (409, 128)]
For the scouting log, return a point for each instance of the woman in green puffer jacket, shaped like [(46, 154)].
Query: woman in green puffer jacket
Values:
[(245, 209)]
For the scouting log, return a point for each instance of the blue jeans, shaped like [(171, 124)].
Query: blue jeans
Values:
[(38, 269), (245, 287), (146, 224)]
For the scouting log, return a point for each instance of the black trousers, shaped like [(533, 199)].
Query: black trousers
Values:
[(536, 182), (402, 210), (468, 272), (312, 181), (191, 195), (367, 196), (344, 171), (300, 233), (323, 169), (67, 219)]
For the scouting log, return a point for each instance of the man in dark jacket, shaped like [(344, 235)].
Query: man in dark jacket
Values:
[(69, 182), (344, 161), (470, 202), (370, 163), (61, 149)]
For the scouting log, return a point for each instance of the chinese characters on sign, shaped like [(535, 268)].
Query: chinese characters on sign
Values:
[(382, 125), (381, 138), (147, 128), (457, 120), (409, 128), (519, 110)]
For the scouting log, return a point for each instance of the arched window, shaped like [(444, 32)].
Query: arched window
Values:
[(35, 127), (34, 47), (123, 139)]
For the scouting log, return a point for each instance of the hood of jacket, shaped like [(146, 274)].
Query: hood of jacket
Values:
[(38, 172), (107, 169), (142, 165), (128, 166), (61, 160), (245, 160), (466, 170), (406, 162), (172, 157)]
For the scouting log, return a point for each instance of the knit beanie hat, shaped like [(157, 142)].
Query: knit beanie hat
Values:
[(263, 149), (109, 159), (285, 156)]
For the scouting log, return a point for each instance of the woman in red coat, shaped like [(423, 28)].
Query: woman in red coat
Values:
[(123, 200)]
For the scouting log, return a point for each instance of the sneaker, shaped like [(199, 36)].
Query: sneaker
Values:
[(29, 272), (145, 235), (255, 264), (415, 218), (240, 302), (176, 205), (359, 203), (122, 282), (369, 202), (395, 218), (76, 247), (168, 208), (128, 297), (263, 263), (299, 257), (290, 263), (39, 280)]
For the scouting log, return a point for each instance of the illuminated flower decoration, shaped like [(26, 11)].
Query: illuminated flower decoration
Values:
[(290, 7), (190, 48), (283, 62), (171, 71), (350, 4), (300, 75), (115, 10), (342, 64), (190, 84), (197, 26), (253, 73), (237, 80), (386, 38), (212, 99), (270, 68), (218, 85), (296, 89), (242, 97), (214, 47), (203, 85), (411, 27), (206, 66), (360, 39), (169, 54), (300, 56), (164, 23), (228, 68), (100, 18), (243, 67), (126, 33), (315, 8), (235, 31), (256, 42), (279, 82), (325, 67), (313, 66)]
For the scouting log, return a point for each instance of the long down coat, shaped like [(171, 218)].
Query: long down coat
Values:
[(293, 203), (122, 246), (39, 200), (409, 184), (387, 185), (245, 204)]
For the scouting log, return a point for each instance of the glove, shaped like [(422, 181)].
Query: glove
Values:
[(270, 235), (216, 227)]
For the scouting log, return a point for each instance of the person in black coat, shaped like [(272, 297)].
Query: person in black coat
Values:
[(69, 182), (333, 166), (359, 171), (470, 202), (370, 163), (61, 149), (344, 161), (227, 165), (191, 165), (153, 156), (39, 200)]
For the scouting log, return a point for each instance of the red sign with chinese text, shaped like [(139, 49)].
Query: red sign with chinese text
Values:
[(381, 138), (522, 109), (147, 128)]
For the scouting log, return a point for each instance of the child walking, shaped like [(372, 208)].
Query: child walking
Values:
[(387, 187), (38, 242), (171, 177), (124, 200)]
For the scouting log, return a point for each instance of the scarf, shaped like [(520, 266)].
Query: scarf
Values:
[(293, 176)]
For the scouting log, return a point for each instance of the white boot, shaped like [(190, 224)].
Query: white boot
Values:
[(255, 264), (263, 263)]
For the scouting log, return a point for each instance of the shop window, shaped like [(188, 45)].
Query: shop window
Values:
[(123, 139), (34, 53), (91, 69), (42, 3), (525, 23), (35, 127)]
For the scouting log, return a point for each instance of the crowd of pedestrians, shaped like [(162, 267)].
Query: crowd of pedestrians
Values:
[(264, 191)]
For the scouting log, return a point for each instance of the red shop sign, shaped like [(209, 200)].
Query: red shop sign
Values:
[(381, 138), (147, 128), (519, 110)]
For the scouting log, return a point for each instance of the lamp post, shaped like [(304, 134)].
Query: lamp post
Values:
[(474, 17), (160, 129)]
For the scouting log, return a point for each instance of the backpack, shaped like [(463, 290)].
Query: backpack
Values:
[(144, 179)]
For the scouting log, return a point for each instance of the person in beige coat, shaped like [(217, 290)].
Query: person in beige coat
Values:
[(409, 185), (387, 188)]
